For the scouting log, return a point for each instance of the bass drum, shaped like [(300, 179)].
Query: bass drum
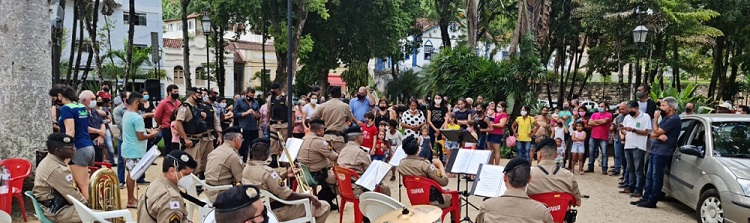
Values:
[(211, 219)]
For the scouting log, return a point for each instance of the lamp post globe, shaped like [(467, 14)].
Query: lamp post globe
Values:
[(639, 34), (206, 26)]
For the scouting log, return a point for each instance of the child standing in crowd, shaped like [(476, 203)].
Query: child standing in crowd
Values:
[(424, 144), (560, 152), (578, 148), (369, 130), (450, 124), (394, 137), (175, 135), (558, 131), (471, 127), (378, 151)]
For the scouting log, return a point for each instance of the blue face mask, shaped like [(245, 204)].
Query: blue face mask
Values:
[(145, 97), (600, 109)]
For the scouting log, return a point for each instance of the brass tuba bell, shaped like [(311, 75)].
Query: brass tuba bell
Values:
[(104, 191)]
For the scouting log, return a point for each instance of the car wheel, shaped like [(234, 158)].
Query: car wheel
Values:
[(709, 207)]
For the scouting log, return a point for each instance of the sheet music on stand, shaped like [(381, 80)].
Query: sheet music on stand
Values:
[(467, 161), (489, 181), (143, 165), (398, 155), (293, 145), (373, 175)]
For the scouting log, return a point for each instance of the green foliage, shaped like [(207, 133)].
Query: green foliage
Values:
[(402, 87), (303, 81), (683, 97), (356, 76)]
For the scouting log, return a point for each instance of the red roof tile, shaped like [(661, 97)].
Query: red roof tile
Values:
[(172, 43)]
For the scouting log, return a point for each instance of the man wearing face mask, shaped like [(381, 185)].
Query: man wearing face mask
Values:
[(164, 111), (688, 109), (224, 166), (192, 127), (241, 204), (635, 127), (161, 201), (53, 180), (245, 117), (600, 123), (362, 104), (645, 104), (104, 93), (147, 112), (257, 172), (317, 156), (279, 117), (96, 129), (515, 205), (335, 114), (134, 140)]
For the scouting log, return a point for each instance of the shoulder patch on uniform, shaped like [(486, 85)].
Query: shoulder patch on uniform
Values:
[(174, 205), (175, 218), (432, 167), (281, 183), (183, 108), (274, 175), (69, 177)]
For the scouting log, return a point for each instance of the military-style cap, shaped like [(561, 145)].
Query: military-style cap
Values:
[(233, 129), (183, 157), (335, 90), (317, 121), (275, 85), (59, 140), (353, 129), (516, 162), (315, 88), (236, 198), (192, 89)]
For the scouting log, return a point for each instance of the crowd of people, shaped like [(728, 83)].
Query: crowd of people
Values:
[(240, 144)]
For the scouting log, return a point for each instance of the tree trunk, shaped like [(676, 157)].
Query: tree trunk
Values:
[(723, 76), (57, 38), (81, 14), (521, 26), (91, 28), (72, 42), (589, 72), (222, 70), (718, 65), (471, 15), (444, 35), (129, 50), (444, 20), (676, 64), (22, 76), (185, 45)]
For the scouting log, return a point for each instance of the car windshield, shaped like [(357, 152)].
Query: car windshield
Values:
[(731, 139)]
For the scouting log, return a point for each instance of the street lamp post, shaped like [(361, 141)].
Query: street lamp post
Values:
[(639, 37), (206, 26)]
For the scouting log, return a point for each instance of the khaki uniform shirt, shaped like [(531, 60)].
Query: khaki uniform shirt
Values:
[(355, 158), (53, 174), (315, 153), (161, 202), (335, 113), (258, 173), (184, 115), (563, 181), (224, 167), (513, 206), (413, 165)]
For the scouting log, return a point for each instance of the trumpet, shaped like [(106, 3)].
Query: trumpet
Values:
[(301, 175)]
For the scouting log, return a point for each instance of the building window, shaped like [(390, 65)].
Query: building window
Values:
[(139, 20), (171, 27), (179, 75), (190, 25), (200, 76), (428, 49), (139, 47)]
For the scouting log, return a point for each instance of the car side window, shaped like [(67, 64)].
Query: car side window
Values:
[(685, 126), (698, 138)]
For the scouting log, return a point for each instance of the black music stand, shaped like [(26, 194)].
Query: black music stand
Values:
[(460, 136)]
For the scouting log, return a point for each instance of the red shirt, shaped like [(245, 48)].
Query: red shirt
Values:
[(164, 111), (381, 148), (104, 95), (369, 133), (601, 131)]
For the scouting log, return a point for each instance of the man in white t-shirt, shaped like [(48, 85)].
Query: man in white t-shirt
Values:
[(636, 128)]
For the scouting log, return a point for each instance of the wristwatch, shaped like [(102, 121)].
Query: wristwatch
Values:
[(633, 130)]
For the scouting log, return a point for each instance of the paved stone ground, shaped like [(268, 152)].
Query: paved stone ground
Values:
[(604, 204)]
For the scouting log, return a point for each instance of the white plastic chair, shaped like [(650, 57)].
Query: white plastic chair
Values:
[(373, 204), (193, 192), (266, 197), (5, 217), (210, 218), (90, 216)]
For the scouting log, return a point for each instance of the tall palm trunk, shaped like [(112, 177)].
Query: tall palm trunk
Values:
[(185, 44), (129, 52), (72, 42)]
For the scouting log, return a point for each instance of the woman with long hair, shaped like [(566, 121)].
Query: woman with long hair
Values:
[(435, 119), (522, 130), (384, 113), (463, 113), (495, 137), (412, 120), (483, 126)]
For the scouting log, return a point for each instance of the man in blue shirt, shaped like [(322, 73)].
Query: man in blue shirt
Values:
[(134, 140), (246, 117), (665, 134), (362, 104)]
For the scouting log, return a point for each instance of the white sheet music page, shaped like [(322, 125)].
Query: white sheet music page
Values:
[(293, 145), (478, 157), (490, 181), (463, 160), (373, 175), (143, 165), (397, 156)]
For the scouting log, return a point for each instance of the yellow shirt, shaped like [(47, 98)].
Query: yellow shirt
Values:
[(453, 127), (524, 128)]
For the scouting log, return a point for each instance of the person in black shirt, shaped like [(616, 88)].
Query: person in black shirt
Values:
[(436, 117), (384, 114)]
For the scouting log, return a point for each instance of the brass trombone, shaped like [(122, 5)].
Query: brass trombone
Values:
[(301, 175)]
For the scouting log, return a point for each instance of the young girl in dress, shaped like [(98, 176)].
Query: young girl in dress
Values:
[(577, 149), (424, 144), (560, 152), (378, 153)]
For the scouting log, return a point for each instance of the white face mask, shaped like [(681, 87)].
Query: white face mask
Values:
[(499, 109), (92, 104), (524, 112), (314, 101), (186, 181), (739, 113), (438, 101), (223, 105)]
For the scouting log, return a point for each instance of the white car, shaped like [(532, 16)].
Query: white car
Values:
[(589, 104)]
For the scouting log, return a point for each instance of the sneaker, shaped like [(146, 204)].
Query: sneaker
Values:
[(615, 174), (646, 205), (626, 191), (636, 202), (622, 186), (636, 195), (122, 185), (144, 182), (334, 207)]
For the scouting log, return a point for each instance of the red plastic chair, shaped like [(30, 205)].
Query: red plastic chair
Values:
[(19, 169), (557, 203), (344, 179), (418, 190)]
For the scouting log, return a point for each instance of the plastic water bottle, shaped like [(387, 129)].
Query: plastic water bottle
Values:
[(5, 176)]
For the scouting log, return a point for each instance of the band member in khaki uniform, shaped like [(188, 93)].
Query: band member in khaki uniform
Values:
[(194, 130), (161, 201), (317, 156), (53, 180), (224, 166), (240, 204), (413, 165), (258, 173), (278, 113), (357, 158), (335, 114), (514, 205), (548, 177)]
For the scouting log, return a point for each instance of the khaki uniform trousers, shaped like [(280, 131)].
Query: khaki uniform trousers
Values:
[(66, 214), (289, 212), (200, 152)]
